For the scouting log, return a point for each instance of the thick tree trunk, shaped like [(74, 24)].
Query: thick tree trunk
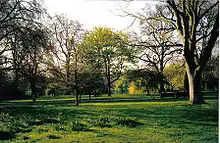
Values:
[(195, 92), (186, 83)]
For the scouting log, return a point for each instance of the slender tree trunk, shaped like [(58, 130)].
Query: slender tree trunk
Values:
[(33, 91), (109, 77), (195, 92), (148, 91), (161, 81), (76, 90), (68, 70), (76, 78), (77, 99), (109, 87), (161, 84), (80, 98)]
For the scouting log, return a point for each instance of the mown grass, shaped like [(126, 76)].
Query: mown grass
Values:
[(110, 119)]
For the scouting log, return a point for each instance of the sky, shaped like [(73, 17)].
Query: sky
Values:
[(93, 13)]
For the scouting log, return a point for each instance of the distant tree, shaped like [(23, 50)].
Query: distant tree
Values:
[(175, 74), (210, 75), (132, 88), (148, 79), (106, 49), (122, 84), (91, 83)]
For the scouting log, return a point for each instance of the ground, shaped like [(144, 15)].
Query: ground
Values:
[(116, 119)]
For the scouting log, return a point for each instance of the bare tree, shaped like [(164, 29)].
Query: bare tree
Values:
[(67, 36), (157, 47), (14, 15), (16, 18)]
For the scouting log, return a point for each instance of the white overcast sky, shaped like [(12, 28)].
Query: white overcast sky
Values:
[(93, 13)]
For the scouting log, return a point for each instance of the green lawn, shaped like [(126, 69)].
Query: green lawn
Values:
[(116, 119)]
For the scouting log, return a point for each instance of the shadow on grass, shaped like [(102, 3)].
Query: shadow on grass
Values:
[(6, 135), (53, 137)]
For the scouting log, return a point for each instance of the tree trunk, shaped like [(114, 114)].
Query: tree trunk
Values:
[(77, 93), (161, 84), (76, 77), (109, 77), (195, 92), (109, 87), (77, 100), (186, 83), (33, 91), (80, 98), (148, 91)]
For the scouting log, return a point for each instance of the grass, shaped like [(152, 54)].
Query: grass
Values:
[(120, 118)]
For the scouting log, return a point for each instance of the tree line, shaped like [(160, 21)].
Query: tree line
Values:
[(40, 53)]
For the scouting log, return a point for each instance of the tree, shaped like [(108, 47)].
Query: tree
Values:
[(210, 75), (197, 23), (64, 59), (17, 16), (121, 85), (175, 74), (35, 43), (106, 49), (91, 83), (147, 78), (157, 47)]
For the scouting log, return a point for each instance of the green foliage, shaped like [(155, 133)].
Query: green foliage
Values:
[(145, 80), (121, 85), (93, 83), (210, 75), (103, 44), (175, 74)]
